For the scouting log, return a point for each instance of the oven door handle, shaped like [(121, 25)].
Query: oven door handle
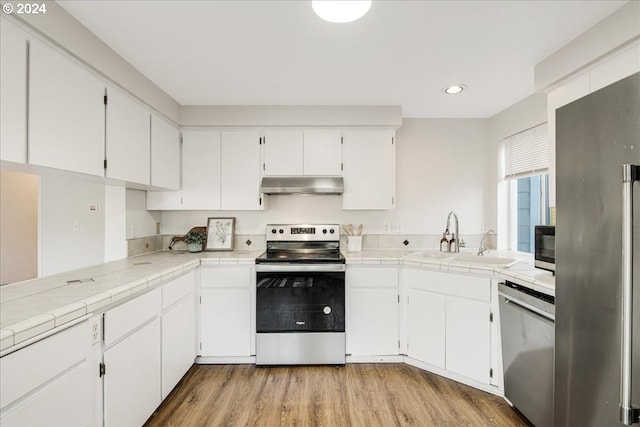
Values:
[(285, 267)]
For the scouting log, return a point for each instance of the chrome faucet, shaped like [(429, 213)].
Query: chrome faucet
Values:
[(482, 248), (456, 237)]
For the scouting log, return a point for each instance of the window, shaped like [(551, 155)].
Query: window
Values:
[(526, 161)]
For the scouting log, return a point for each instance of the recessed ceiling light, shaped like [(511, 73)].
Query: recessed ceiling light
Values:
[(453, 89), (340, 11)]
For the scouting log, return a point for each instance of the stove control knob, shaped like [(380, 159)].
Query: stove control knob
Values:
[(324, 231), (281, 231), (273, 231), (332, 231), (326, 309)]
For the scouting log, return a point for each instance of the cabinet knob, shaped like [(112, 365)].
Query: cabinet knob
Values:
[(326, 309)]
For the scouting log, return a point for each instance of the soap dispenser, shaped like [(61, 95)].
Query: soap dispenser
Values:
[(453, 243), (444, 243)]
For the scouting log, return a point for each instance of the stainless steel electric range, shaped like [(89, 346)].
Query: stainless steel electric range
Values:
[(300, 296)]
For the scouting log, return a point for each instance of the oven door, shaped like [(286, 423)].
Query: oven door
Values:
[(300, 301)]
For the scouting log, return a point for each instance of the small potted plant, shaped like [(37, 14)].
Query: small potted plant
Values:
[(195, 240)]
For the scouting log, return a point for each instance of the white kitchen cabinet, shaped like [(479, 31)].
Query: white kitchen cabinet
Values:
[(468, 343), (13, 92), (58, 392), (201, 170), (132, 377), (128, 139), (225, 312), (165, 154), (296, 153), (449, 322), (283, 153), (240, 171), (322, 152), (66, 113), (372, 311), (178, 342), (426, 324), (369, 169), (164, 200)]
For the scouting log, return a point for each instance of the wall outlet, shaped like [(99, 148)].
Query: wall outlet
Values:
[(96, 330), (396, 227)]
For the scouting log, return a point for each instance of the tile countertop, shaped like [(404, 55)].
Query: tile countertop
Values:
[(36, 306), (523, 272)]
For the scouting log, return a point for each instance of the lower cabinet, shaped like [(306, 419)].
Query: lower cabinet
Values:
[(132, 377), (41, 382), (178, 343), (449, 322), (226, 315), (372, 311)]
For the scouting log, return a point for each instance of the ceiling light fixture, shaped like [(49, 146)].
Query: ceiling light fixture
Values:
[(454, 89), (340, 11)]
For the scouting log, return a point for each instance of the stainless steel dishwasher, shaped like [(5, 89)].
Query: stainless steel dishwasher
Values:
[(528, 340)]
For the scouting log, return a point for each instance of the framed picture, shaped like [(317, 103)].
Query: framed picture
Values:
[(220, 233)]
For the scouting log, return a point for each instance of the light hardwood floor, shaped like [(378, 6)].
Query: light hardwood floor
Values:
[(354, 395)]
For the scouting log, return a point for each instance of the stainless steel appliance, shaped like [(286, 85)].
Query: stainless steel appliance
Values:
[(597, 332), (300, 296), (527, 330), (545, 247)]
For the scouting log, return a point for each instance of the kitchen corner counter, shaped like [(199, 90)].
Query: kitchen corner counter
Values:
[(523, 272), (36, 306)]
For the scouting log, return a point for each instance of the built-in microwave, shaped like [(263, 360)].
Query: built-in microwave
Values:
[(545, 247)]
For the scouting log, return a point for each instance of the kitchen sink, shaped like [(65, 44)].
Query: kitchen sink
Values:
[(486, 260), (432, 254)]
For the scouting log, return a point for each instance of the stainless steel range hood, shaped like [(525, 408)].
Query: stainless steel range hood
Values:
[(302, 185)]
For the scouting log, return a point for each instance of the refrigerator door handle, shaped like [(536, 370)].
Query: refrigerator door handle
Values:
[(628, 413)]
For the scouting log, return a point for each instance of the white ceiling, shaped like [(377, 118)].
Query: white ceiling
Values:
[(400, 53)]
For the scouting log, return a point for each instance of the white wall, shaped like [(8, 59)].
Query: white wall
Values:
[(72, 236), (18, 226), (441, 165), (115, 223), (139, 221)]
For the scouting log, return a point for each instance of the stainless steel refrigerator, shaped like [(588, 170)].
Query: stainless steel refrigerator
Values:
[(597, 366)]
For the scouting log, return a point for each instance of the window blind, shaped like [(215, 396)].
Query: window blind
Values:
[(527, 152)]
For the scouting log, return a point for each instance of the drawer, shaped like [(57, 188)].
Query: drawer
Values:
[(177, 289), (28, 368), (125, 318), (225, 277), (448, 284), (372, 276)]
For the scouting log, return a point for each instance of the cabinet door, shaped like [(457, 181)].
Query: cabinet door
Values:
[(426, 327), (165, 154), (200, 170), (323, 152), (468, 332), (373, 322), (369, 158), (67, 401), (240, 177), (13, 92), (66, 113), (178, 343), (132, 379), (225, 325), (283, 153), (128, 139)]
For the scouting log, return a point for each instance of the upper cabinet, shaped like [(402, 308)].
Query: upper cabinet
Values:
[(369, 169), (240, 171), (165, 154), (200, 170), (283, 153), (13, 92), (296, 153), (322, 152), (127, 139), (66, 113)]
